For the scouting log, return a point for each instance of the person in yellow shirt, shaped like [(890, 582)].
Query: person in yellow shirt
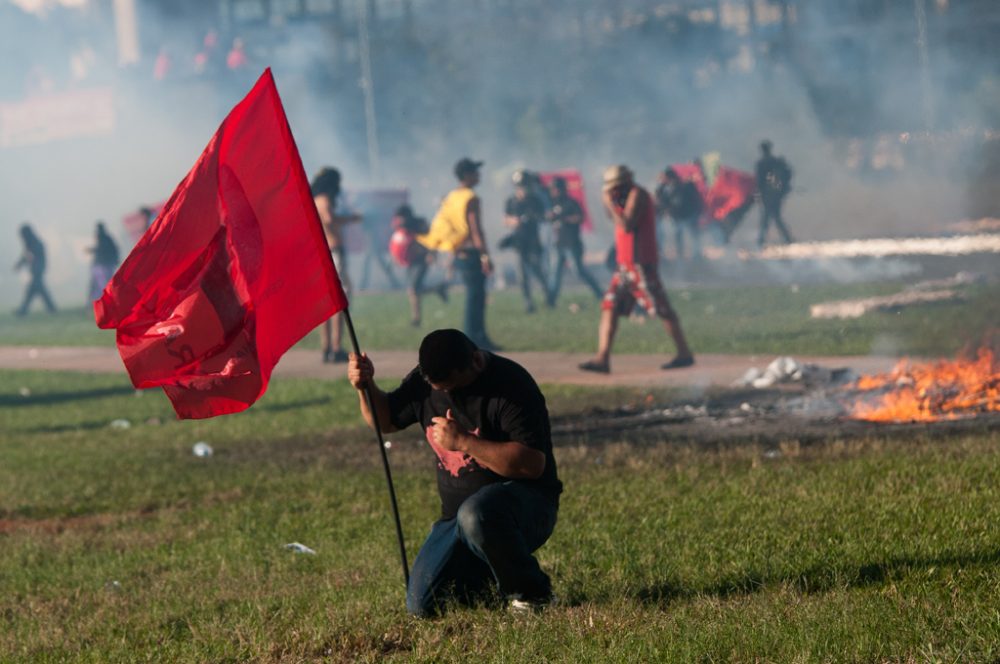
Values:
[(457, 227)]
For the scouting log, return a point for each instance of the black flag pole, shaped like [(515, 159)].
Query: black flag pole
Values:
[(381, 449)]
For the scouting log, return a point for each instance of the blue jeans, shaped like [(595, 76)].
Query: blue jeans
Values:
[(471, 269), (485, 548), (574, 251), (690, 227)]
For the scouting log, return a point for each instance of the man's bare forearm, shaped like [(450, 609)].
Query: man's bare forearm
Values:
[(511, 459), (381, 403)]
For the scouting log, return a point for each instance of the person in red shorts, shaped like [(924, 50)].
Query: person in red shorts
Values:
[(636, 280)]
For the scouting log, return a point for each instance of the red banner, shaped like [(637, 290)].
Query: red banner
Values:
[(234, 270)]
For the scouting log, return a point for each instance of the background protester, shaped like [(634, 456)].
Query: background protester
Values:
[(325, 187), (636, 280), (414, 257), (33, 260), (104, 262), (774, 182), (566, 216), (457, 227), (523, 213), (682, 202)]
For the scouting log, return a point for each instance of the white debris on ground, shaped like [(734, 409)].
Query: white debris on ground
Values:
[(298, 547), (202, 449), (955, 245), (120, 424), (937, 290), (788, 370)]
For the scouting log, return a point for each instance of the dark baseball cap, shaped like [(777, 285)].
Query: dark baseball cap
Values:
[(464, 166)]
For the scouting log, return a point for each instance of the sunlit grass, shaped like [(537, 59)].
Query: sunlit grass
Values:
[(767, 320), (120, 545)]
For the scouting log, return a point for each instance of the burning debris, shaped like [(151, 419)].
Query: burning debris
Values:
[(943, 390), (807, 404), (937, 290)]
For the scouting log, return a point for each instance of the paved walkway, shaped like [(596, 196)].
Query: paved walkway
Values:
[(546, 367)]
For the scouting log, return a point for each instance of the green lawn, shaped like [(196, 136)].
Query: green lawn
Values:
[(768, 320), (120, 545)]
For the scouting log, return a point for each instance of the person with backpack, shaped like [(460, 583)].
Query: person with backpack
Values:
[(774, 181), (414, 257)]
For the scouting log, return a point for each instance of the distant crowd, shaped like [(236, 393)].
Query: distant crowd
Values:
[(696, 198)]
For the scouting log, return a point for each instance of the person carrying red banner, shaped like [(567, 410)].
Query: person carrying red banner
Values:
[(486, 421), (637, 280), (233, 272)]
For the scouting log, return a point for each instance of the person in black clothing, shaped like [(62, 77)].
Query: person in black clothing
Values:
[(774, 179), (33, 259), (566, 216), (486, 420), (523, 212), (105, 260), (682, 201)]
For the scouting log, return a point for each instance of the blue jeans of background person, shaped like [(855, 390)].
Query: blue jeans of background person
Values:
[(530, 265), (471, 269), (486, 547), (574, 251), (690, 227)]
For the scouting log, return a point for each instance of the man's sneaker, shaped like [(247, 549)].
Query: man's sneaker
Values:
[(340, 356), (531, 606)]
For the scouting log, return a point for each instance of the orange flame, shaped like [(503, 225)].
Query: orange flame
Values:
[(943, 390)]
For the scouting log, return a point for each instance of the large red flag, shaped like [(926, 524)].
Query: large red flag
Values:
[(732, 189), (233, 272)]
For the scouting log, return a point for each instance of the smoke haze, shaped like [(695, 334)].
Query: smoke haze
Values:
[(568, 85)]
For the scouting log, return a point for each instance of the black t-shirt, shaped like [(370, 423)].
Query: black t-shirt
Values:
[(681, 201), (530, 211), (567, 233), (502, 404)]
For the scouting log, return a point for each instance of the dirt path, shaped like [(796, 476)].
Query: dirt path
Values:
[(546, 367)]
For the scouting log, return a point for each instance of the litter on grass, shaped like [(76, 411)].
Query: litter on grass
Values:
[(788, 370), (202, 449), (298, 547)]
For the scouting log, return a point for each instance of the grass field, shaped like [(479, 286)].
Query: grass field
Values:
[(768, 320), (120, 545)]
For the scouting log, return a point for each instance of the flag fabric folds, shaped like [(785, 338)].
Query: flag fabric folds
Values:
[(233, 272)]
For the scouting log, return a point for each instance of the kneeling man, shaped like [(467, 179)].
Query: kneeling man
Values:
[(486, 421)]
